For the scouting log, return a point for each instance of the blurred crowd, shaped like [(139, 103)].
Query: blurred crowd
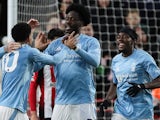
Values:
[(107, 17)]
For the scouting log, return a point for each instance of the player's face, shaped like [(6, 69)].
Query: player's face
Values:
[(73, 22), (125, 43)]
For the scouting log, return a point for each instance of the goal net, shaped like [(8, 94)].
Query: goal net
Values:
[(142, 15), (42, 10)]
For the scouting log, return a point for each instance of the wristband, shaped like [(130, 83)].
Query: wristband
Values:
[(75, 48), (142, 86)]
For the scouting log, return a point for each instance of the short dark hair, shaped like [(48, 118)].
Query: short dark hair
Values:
[(21, 31), (55, 32), (129, 32), (81, 10)]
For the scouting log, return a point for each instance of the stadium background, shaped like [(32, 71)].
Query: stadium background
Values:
[(106, 23)]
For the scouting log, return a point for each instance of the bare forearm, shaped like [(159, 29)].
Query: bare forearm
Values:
[(154, 84), (112, 92)]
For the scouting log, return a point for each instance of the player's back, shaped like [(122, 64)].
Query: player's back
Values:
[(17, 68)]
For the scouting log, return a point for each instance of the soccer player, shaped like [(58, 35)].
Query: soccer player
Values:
[(45, 79), (75, 89), (17, 69), (135, 73)]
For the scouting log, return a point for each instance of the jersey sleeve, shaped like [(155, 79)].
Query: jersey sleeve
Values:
[(93, 54), (151, 67), (44, 59), (114, 78), (113, 72)]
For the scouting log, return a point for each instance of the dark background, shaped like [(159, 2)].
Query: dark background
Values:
[(3, 19)]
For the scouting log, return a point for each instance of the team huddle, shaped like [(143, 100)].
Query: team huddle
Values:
[(72, 56)]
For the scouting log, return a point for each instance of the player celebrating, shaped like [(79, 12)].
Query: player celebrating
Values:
[(135, 73), (17, 69), (75, 90)]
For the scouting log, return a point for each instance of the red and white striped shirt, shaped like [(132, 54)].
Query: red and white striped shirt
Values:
[(45, 79)]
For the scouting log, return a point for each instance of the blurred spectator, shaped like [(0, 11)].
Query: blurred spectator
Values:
[(133, 20), (63, 5), (53, 22), (103, 3), (88, 30)]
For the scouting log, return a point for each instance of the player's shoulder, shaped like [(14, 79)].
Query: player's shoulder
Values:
[(117, 57), (83, 36), (30, 50), (54, 44), (57, 41), (88, 39), (26, 48), (141, 53)]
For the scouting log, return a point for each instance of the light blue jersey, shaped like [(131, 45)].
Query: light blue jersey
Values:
[(74, 77), (17, 69), (138, 68)]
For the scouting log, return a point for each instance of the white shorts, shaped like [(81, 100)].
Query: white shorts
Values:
[(7, 113), (74, 112), (116, 116)]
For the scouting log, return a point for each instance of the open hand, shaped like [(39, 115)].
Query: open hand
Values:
[(41, 41)]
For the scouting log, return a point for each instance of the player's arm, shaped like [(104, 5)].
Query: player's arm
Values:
[(32, 96), (93, 55), (153, 70), (154, 84), (40, 59), (135, 88), (112, 94), (107, 101), (51, 57)]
